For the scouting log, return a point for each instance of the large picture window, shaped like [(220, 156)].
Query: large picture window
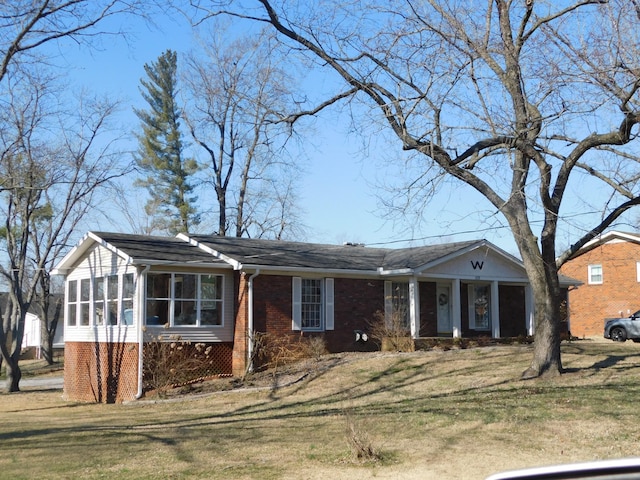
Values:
[(184, 299)]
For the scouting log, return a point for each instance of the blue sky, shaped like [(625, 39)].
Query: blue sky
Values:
[(338, 188)]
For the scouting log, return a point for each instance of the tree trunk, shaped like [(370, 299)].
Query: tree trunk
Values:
[(546, 348), (543, 277), (14, 374)]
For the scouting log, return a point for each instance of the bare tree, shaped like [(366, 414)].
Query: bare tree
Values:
[(237, 96), (53, 161), (26, 26), (522, 101)]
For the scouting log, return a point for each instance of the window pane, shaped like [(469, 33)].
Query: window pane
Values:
[(210, 288), (185, 286), (84, 314), (595, 273), (127, 313), (85, 286), (73, 310), (112, 312), (157, 312), (112, 287), (184, 312), (158, 285), (209, 314), (73, 291), (128, 288)]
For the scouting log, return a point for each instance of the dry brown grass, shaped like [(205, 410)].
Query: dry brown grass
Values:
[(439, 414)]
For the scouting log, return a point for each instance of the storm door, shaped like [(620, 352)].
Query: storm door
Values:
[(443, 296)]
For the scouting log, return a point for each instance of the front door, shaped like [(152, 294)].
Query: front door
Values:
[(445, 326)]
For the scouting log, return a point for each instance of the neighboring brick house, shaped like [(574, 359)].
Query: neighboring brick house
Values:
[(608, 268), (122, 291)]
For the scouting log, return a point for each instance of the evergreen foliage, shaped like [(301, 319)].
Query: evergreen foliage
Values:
[(161, 153)]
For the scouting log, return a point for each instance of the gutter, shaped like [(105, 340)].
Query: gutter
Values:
[(140, 331), (250, 346)]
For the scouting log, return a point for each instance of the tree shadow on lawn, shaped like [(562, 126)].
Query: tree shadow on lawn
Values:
[(617, 361)]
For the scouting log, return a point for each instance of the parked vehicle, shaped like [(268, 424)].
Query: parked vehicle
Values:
[(621, 329)]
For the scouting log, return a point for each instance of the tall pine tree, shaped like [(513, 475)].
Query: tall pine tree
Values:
[(161, 153)]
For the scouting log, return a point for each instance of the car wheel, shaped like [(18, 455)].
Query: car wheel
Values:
[(618, 334)]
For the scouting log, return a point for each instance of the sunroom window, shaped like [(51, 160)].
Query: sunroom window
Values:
[(97, 301), (184, 299)]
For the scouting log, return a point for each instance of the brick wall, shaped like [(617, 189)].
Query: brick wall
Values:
[(618, 295), (100, 372), (356, 302)]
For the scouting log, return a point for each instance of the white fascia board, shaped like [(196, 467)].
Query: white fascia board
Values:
[(323, 271), (68, 261), (398, 271), (601, 239), (234, 263), (168, 263)]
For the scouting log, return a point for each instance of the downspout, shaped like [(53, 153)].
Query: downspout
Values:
[(140, 331), (250, 346)]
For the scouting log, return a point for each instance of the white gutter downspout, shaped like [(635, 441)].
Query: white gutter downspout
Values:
[(250, 320), (141, 311)]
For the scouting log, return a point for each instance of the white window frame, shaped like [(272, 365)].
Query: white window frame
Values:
[(198, 299), (97, 305), (326, 304), (597, 278)]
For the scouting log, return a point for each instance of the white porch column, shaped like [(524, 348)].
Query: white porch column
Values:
[(529, 310), (414, 307), (495, 310), (456, 310)]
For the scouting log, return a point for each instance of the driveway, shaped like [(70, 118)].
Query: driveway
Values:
[(40, 383)]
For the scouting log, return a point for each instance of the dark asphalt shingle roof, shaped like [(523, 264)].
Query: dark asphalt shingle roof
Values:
[(276, 253), (157, 249)]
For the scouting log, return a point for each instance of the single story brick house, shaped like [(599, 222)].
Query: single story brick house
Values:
[(608, 272), (123, 290)]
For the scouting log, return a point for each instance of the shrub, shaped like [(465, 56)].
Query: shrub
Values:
[(391, 334), (171, 362)]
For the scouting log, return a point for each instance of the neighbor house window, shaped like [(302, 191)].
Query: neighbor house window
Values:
[(184, 299), (480, 307), (312, 304), (595, 274), (638, 271), (396, 304)]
